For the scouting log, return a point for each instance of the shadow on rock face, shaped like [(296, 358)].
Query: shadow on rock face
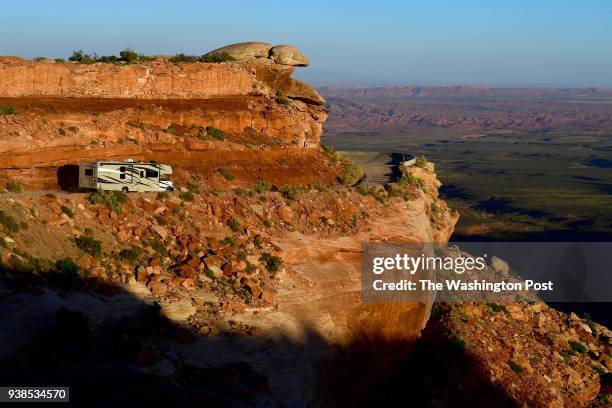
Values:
[(71, 334), (68, 178)]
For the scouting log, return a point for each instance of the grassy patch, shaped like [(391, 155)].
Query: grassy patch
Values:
[(113, 200)]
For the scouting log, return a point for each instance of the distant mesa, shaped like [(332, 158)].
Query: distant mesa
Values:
[(281, 54)]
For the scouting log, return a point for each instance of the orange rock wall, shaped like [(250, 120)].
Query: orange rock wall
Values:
[(152, 80)]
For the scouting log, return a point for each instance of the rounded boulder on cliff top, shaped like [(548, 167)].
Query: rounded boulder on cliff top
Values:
[(245, 50), (289, 55)]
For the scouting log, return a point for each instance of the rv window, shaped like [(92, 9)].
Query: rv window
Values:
[(141, 173), (122, 169), (89, 172), (122, 176), (152, 173)]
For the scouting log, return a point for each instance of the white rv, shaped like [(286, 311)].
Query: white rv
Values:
[(125, 176)]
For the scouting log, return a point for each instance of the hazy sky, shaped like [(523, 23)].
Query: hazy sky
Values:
[(497, 42)]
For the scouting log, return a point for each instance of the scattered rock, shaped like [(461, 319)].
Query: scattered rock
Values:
[(159, 230), (285, 214)]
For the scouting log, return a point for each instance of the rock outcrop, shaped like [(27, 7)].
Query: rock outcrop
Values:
[(281, 54), (65, 113), (288, 55), (245, 50)]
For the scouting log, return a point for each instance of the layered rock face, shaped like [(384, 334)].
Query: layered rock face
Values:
[(66, 113)]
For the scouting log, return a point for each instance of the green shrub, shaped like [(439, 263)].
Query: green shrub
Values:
[(131, 254), (226, 174), (90, 245), (515, 366), (411, 180), (187, 196), (59, 60), (67, 211), (161, 220), (137, 124), (9, 223), (215, 133), (61, 131), (113, 200), (228, 241), (351, 173), (420, 161), (234, 224), (497, 308), (217, 57), (181, 58), (67, 266), (208, 272), (14, 186), (281, 98), (290, 192), (262, 186), (577, 346), (273, 263), (128, 55), (319, 185), (162, 194), (73, 129), (82, 58), (174, 129), (7, 110), (457, 344)]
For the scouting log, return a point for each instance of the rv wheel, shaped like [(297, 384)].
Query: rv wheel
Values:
[(125, 189)]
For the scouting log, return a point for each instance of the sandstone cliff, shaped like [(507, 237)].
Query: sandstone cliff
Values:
[(67, 113)]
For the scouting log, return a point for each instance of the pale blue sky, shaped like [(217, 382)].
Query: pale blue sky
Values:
[(497, 42)]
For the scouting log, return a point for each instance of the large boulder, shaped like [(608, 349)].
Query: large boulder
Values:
[(301, 91), (245, 50), (288, 55)]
